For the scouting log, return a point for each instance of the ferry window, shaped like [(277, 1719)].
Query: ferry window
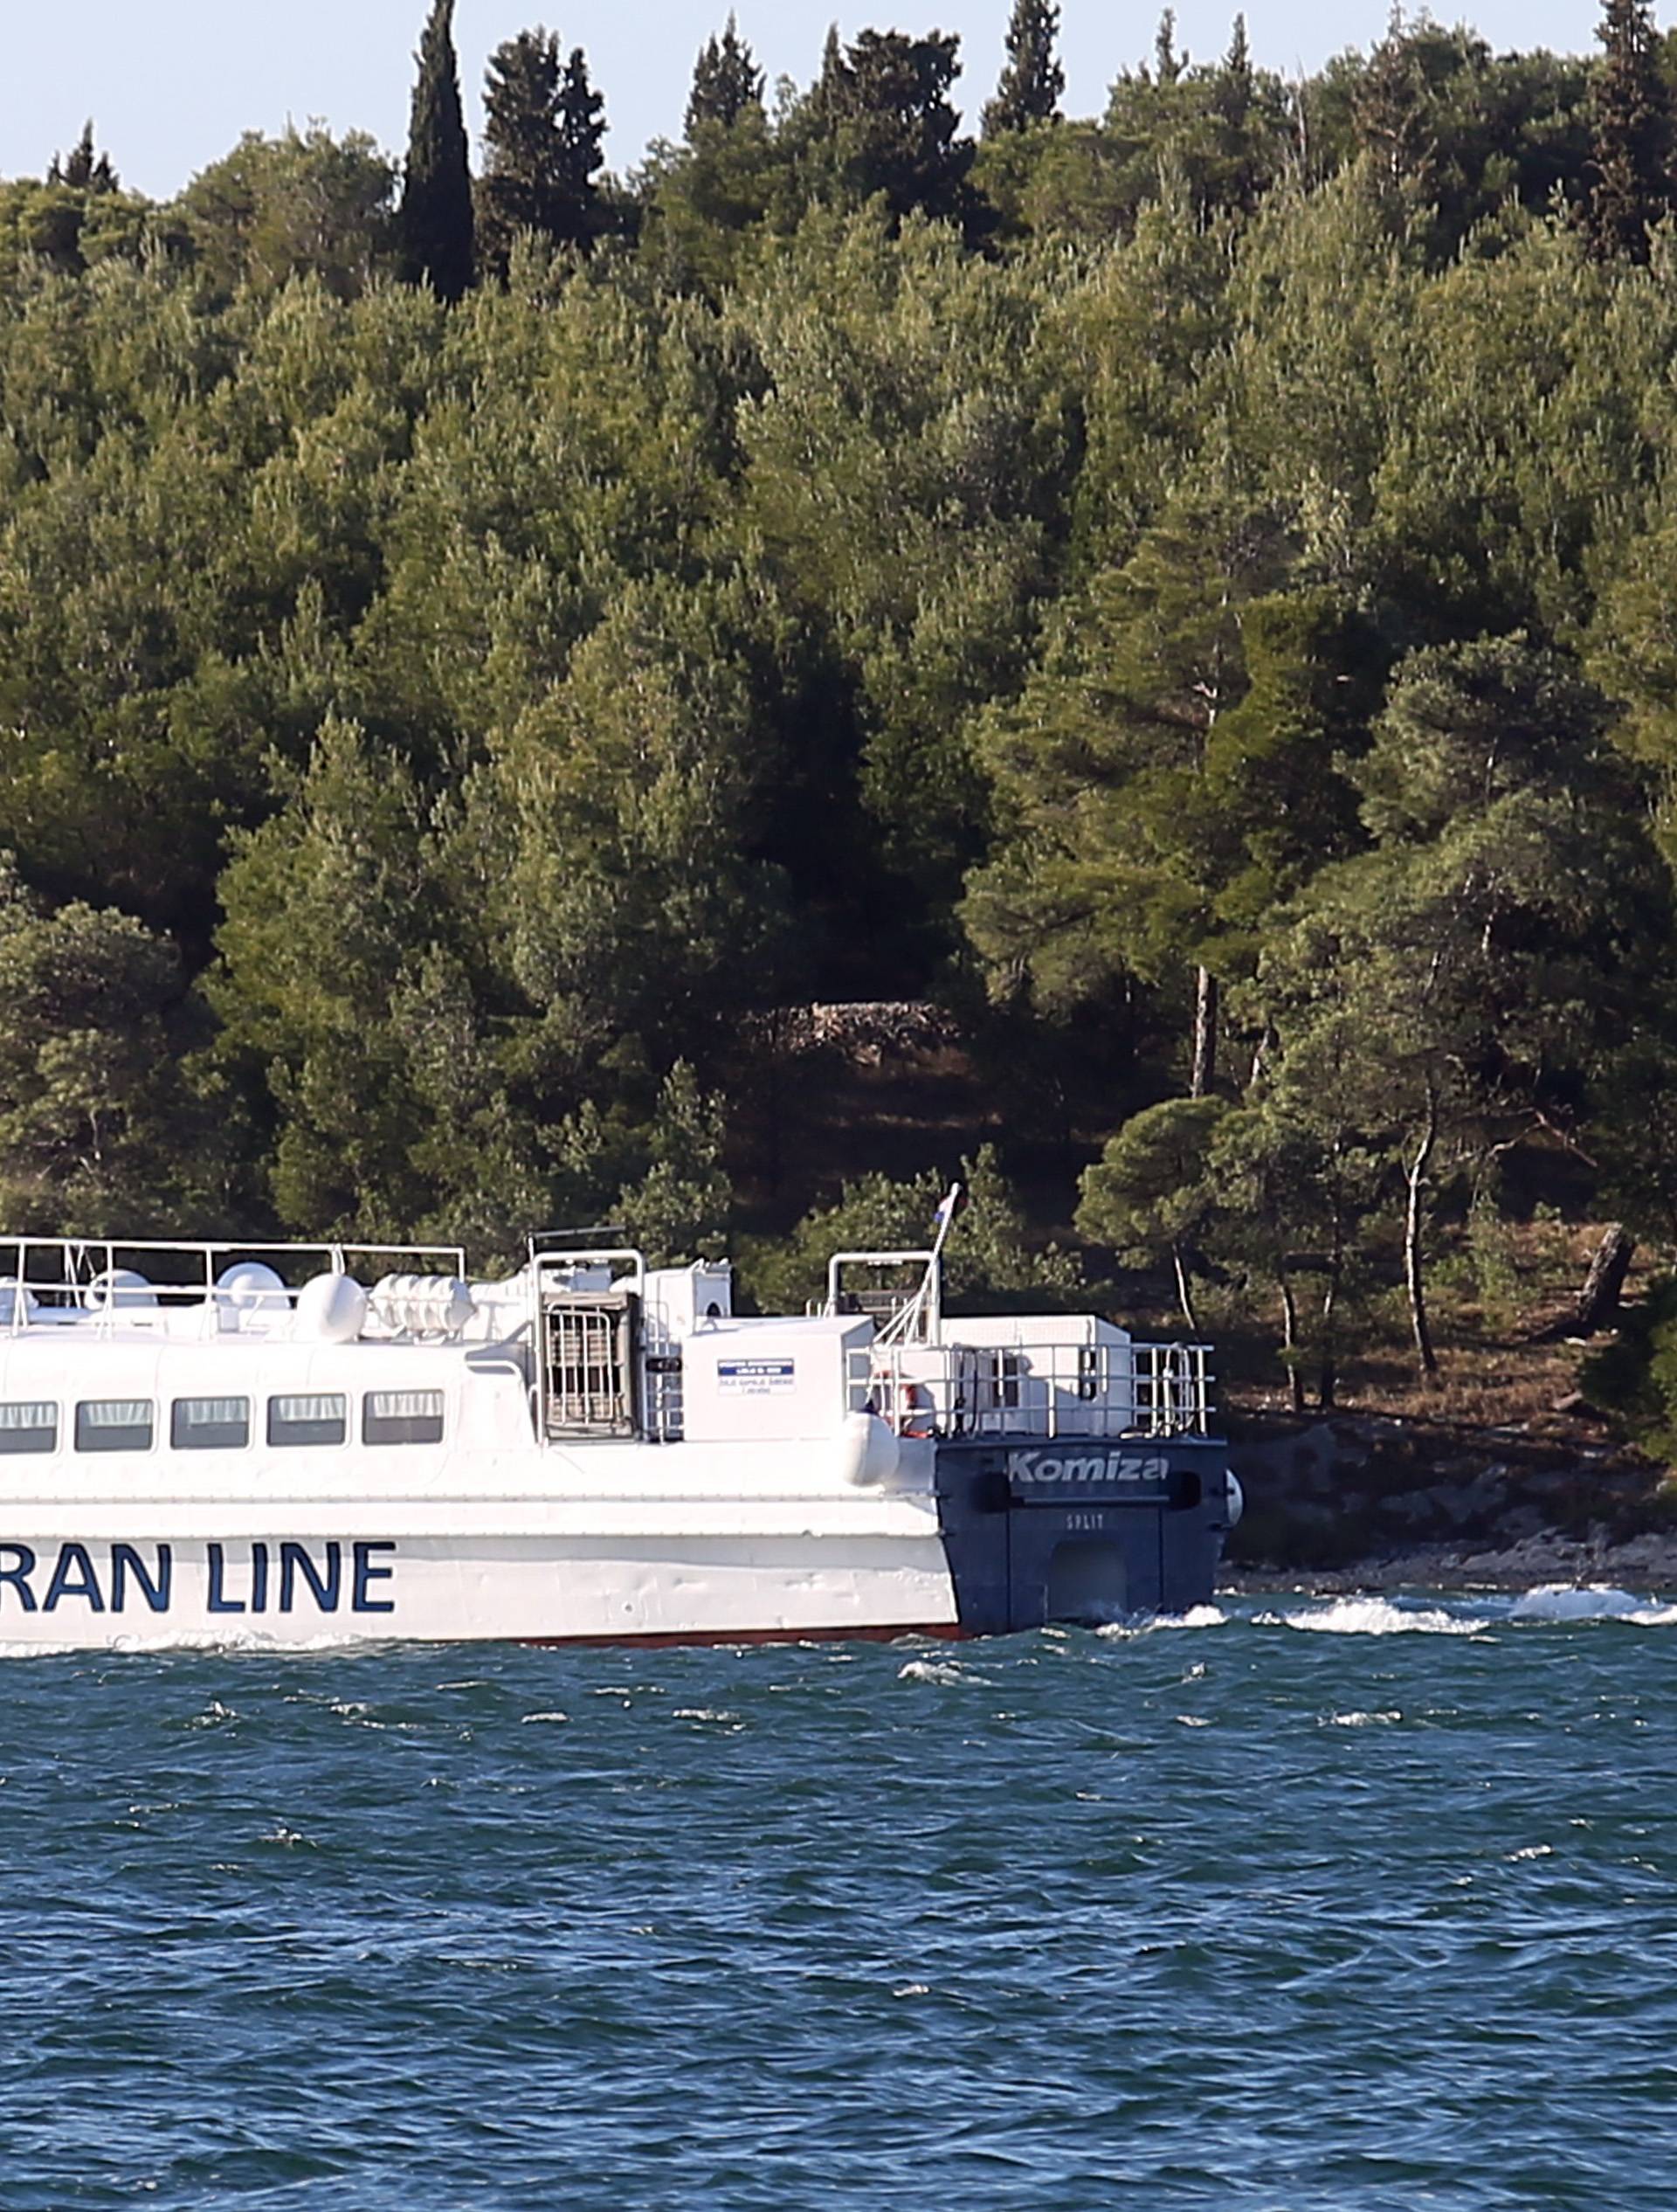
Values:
[(209, 1424), (313, 1418), (401, 1417), (113, 1424), (28, 1425)]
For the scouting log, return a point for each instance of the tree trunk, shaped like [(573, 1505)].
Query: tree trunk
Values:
[(1604, 1284), (1290, 1346), (1204, 1068), (1413, 1266), (1184, 1296)]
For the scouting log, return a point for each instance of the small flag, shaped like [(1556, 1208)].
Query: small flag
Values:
[(948, 1207)]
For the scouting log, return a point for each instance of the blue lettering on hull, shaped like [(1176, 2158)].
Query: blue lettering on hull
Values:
[(246, 1579)]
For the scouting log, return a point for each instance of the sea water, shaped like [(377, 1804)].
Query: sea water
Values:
[(1300, 1902)]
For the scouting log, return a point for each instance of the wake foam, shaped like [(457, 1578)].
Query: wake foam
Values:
[(1376, 1617), (1591, 1601), (1197, 1616)]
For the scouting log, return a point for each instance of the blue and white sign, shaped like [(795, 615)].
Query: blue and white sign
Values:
[(756, 1377)]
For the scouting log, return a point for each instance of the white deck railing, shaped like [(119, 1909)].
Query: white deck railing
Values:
[(1048, 1389)]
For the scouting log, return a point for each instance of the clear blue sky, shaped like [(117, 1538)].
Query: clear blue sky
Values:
[(172, 83)]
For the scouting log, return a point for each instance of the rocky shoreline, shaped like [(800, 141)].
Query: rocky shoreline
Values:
[(1642, 1564), (1363, 1503)]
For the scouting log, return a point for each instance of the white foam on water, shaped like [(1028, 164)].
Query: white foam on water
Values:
[(1591, 1601), (1376, 1617), (1197, 1616), (1361, 1721), (931, 1670), (531, 1718), (1530, 1851)]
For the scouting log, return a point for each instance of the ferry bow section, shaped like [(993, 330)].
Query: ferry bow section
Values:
[(310, 1444)]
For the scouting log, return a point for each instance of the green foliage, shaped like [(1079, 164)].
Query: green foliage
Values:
[(1634, 1375), (304, 204), (1631, 136), (1223, 542), (1150, 1194), (987, 1255), (99, 1132)]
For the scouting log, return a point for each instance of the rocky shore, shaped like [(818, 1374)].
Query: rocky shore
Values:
[(1363, 1503)]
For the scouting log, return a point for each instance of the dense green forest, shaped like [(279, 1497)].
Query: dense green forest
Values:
[(1187, 597)]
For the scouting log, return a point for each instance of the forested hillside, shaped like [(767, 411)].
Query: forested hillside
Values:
[(1189, 594)]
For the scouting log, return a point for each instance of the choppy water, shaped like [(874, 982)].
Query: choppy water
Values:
[(1305, 1903)]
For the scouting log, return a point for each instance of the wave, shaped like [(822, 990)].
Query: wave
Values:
[(933, 1671)]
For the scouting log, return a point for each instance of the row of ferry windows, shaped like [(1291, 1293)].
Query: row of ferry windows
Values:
[(224, 1424)]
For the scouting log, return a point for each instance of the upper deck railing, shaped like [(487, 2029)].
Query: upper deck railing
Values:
[(89, 1274)]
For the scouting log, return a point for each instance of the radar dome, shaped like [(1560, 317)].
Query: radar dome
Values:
[(252, 1287), (117, 1286)]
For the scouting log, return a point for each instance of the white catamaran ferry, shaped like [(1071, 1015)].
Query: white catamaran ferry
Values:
[(306, 1444)]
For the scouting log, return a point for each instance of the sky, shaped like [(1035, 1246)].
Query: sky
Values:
[(171, 84)]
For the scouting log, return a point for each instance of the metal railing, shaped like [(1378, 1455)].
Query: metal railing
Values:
[(1047, 1389), (83, 1275)]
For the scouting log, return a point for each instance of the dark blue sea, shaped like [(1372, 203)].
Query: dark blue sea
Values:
[(1303, 1902)]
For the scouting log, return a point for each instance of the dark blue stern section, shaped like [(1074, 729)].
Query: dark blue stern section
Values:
[(1081, 1529)]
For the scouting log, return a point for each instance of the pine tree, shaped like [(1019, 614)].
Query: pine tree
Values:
[(881, 114), (520, 188), (726, 82), (436, 219), (1390, 104), (1030, 87), (1630, 134)]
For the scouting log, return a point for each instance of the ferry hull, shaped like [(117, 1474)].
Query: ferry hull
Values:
[(140, 1593), (1001, 1539)]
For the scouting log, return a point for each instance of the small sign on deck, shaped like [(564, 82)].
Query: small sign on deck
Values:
[(756, 1377)]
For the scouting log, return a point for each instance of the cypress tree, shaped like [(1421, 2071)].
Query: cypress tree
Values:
[(726, 82), (1234, 85), (581, 130), (1630, 134), (1168, 64), (436, 219), (522, 188), (82, 169), (1030, 86)]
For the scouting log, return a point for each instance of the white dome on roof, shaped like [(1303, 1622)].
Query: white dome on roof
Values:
[(330, 1311)]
